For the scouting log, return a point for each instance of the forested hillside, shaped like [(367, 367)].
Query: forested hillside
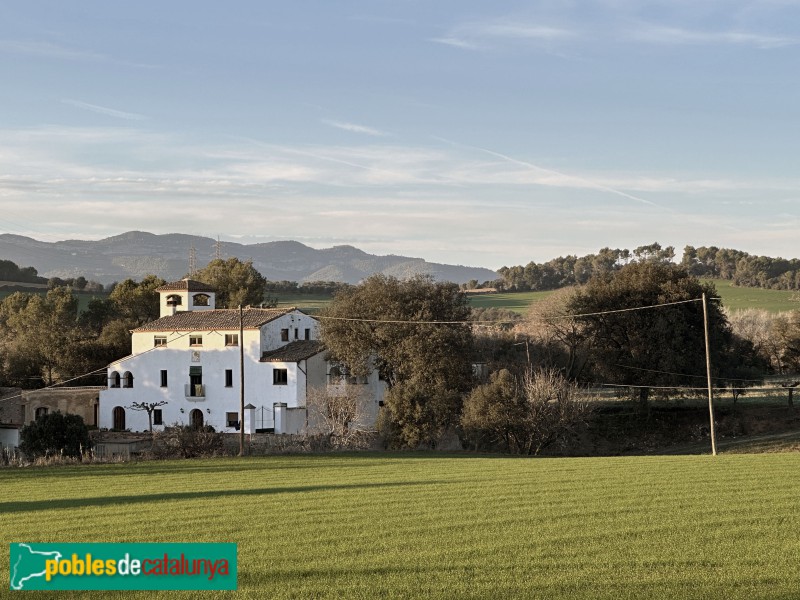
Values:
[(9, 271), (736, 266)]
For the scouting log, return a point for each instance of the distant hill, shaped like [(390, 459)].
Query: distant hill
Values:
[(137, 253)]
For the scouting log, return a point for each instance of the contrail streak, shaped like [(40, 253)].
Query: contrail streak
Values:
[(529, 165)]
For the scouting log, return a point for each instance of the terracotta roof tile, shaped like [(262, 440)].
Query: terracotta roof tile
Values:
[(186, 285), (294, 351), (252, 318)]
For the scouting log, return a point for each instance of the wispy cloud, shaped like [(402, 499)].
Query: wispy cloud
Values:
[(353, 127), (50, 50), (521, 31), (455, 42), (678, 36), (478, 34), (737, 23), (102, 110), (404, 192)]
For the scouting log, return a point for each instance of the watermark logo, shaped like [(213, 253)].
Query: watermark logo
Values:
[(122, 566)]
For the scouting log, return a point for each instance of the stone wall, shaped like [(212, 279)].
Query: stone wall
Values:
[(12, 410), (259, 444), (82, 401)]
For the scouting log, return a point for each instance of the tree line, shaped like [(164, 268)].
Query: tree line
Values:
[(741, 268), (9, 271), (307, 287), (571, 270)]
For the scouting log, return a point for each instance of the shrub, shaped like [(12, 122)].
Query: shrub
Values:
[(522, 417), (55, 434), (338, 417), (186, 441)]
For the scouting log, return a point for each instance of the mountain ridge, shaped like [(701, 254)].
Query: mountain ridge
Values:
[(135, 254)]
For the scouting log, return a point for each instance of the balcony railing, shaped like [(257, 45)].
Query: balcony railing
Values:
[(195, 392)]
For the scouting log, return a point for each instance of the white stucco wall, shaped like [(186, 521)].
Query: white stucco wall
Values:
[(146, 370), (214, 358), (186, 304), (294, 321)]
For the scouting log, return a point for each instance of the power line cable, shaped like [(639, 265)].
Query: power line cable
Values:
[(102, 369), (685, 374)]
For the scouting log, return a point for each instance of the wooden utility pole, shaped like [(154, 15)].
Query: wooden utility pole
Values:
[(708, 374), (241, 381)]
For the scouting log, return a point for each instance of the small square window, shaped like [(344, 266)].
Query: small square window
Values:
[(231, 339), (280, 377), (228, 377), (159, 340), (284, 335), (195, 340), (163, 378), (158, 419), (232, 419)]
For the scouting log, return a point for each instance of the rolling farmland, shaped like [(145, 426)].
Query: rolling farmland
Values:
[(441, 526)]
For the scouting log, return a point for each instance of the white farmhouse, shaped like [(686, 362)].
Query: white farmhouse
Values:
[(190, 359)]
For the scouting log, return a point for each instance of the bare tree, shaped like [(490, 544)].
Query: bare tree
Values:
[(149, 407), (758, 326), (555, 408), (339, 412)]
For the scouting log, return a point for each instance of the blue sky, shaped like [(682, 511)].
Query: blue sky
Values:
[(481, 133)]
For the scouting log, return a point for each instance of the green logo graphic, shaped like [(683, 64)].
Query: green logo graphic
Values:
[(122, 566)]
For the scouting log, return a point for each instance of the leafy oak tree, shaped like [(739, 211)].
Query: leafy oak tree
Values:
[(427, 366), (40, 336), (235, 282), (655, 347), (137, 303)]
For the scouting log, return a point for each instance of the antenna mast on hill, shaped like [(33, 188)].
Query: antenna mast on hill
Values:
[(192, 261), (218, 250)]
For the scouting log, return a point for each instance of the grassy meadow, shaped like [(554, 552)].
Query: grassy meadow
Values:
[(734, 298), (308, 302), (439, 526), (516, 301), (738, 298)]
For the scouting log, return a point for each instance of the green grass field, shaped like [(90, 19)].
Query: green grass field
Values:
[(738, 298), (516, 301), (734, 298), (307, 302), (439, 526)]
